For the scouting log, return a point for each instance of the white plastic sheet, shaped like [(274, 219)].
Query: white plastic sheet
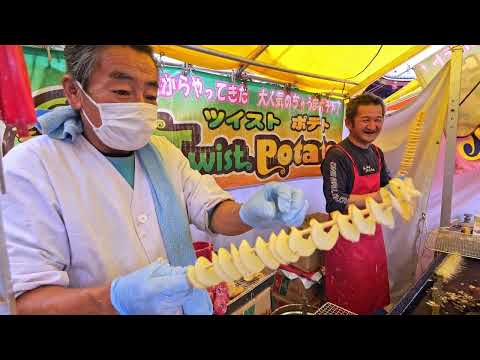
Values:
[(401, 242)]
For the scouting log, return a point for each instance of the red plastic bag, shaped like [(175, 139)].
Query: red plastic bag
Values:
[(203, 248), (220, 299), (16, 102)]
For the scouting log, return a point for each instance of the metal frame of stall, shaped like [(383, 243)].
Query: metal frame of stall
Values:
[(451, 124), (7, 301)]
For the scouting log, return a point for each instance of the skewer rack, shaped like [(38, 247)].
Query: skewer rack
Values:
[(454, 242), (252, 289), (331, 309)]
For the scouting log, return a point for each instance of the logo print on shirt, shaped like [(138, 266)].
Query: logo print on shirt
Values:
[(367, 169)]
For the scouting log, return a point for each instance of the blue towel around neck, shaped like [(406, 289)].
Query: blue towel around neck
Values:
[(64, 123), (171, 215)]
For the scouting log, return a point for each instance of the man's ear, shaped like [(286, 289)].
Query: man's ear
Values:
[(348, 124), (71, 91)]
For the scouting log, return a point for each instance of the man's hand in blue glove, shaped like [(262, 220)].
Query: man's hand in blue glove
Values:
[(155, 289), (275, 202), (199, 303)]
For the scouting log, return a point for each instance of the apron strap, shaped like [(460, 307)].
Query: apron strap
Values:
[(377, 150), (379, 157), (354, 165)]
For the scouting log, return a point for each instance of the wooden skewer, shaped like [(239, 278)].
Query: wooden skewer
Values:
[(324, 225), (327, 224)]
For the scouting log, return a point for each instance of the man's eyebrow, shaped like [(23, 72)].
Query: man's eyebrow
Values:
[(118, 75), (153, 84)]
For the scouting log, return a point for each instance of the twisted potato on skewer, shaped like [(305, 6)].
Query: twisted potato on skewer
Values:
[(284, 249)]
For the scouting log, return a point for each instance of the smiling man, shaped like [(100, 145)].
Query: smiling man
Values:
[(97, 215), (356, 273)]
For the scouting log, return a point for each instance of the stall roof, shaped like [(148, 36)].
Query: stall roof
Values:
[(336, 69), (407, 90)]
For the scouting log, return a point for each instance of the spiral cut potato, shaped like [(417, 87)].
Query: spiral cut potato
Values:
[(413, 138), (284, 249)]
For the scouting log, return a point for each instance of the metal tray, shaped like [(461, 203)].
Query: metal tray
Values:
[(417, 292)]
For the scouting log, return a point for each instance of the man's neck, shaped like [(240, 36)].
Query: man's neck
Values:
[(358, 143), (122, 155)]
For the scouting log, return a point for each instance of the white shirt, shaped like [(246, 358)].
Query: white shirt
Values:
[(72, 220)]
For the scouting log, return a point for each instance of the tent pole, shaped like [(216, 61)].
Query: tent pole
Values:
[(263, 65), (250, 76), (256, 54), (7, 299), (450, 127)]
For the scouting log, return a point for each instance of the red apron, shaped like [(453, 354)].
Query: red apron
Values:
[(356, 275)]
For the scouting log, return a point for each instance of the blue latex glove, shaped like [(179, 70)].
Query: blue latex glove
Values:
[(275, 202), (199, 303), (155, 289)]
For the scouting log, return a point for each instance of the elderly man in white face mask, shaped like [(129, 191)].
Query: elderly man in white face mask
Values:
[(95, 202)]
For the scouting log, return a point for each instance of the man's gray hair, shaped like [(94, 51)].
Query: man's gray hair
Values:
[(81, 59)]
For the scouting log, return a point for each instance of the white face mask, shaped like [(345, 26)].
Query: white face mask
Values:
[(125, 126)]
